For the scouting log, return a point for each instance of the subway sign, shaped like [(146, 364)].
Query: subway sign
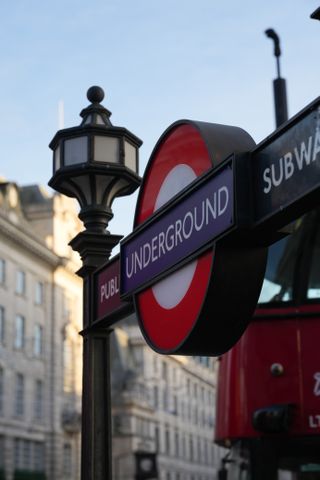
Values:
[(181, 230), (210, 203)]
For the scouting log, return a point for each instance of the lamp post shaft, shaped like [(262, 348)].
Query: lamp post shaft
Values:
[(280, 101), (96, 457), (96, 447)]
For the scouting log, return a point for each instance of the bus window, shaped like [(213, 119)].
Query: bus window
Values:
[(282, 278), (278, 282), (313, 290)]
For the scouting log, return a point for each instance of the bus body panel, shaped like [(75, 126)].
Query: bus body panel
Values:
[(248, 379)]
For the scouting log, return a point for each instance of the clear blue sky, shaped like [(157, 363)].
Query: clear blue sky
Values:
[(158, 62)]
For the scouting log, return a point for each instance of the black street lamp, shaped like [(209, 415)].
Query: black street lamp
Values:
[(316, 14), (95, 163), (279, 84)]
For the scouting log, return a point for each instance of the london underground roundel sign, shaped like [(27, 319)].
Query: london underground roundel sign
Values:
[(193, 310)]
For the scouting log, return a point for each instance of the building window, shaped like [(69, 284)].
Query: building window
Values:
[(21, 282), (38, 400), (174, 375), (212, 450), (205, 452), (2, 452), (26, 454), (175, 405), (165, 398), (198, 450), (183, 410), (2, 324), (189, 412), (1, 391), (38, 457), (167, 441), (157, 438), (195, 387), (183, 446), (164, 371), (191, 452), (203, 418), (2, 271), (67, 459), (39, 293), (202, 395), (38, 340), (20, 332), (68, 366), (177, 444), (155, 364), (18, 453), (195, 416), (156, 396), (188, 386), (19, 395)]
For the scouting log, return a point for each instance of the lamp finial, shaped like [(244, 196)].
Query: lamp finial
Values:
[(95, 94)]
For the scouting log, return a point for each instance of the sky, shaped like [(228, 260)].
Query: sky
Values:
[(158, 62)]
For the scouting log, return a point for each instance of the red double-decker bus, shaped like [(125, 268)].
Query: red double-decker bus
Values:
[(268, 402)]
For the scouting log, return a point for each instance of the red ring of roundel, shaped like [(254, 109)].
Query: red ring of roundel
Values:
[(167, 329)]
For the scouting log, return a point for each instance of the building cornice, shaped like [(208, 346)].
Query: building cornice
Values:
[(27, 240)]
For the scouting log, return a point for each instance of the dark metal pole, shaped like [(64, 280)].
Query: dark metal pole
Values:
[(316, 14), (279, 84), (263, 460), (96, 448)]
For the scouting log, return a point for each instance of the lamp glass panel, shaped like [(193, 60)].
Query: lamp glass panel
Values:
[(106, 149), (75, 151), (130, 156), (99, 120), (88, 120), (57, 160)]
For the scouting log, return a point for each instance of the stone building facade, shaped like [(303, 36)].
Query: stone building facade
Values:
[(162, 404), (40, 349)]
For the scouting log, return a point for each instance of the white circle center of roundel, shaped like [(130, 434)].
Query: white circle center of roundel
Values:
[(170, 291)]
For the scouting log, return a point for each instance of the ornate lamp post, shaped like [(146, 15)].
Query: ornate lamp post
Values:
[(95, 163)]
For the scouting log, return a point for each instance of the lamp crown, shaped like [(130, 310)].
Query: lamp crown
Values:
[(95, 113), (95, 162)]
